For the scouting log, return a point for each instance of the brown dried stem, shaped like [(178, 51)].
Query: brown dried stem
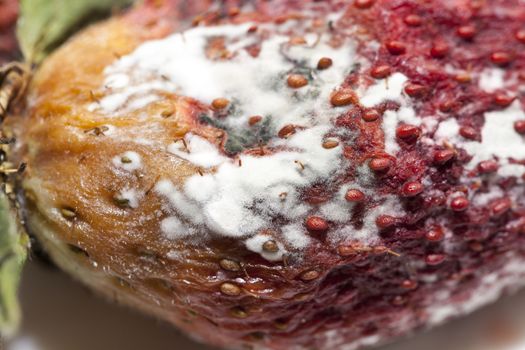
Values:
[(13, 83)]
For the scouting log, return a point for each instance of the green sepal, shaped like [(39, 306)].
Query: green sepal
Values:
[(14, 245), (44, 24)]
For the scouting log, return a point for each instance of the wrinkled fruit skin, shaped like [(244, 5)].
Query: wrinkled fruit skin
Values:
[(365, 294)]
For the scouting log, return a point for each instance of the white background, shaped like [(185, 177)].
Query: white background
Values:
[(60, 314)]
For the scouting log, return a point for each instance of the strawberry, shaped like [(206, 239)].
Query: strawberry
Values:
[(226, 182)]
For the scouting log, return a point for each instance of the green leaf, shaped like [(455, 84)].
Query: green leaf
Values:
[(13, 252), (45, 24)]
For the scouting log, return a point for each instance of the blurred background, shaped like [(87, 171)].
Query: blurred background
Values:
[(60, 314)]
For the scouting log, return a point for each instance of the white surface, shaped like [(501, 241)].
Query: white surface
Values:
[(245, 195), (62, 315)]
